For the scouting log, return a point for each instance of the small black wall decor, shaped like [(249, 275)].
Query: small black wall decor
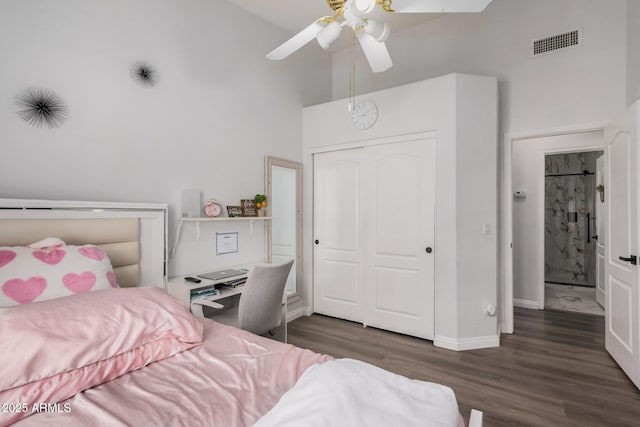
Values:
[(40, 107), (144, 74)]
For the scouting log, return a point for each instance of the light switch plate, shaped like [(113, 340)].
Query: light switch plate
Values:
[(486, 229)]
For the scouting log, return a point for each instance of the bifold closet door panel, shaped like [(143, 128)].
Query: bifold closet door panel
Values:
[(398, 216), (337, 256)]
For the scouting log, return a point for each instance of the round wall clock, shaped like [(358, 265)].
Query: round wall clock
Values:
[(213, 208), (365, 114)]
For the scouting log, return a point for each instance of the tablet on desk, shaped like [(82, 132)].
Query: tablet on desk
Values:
[(221, 274)]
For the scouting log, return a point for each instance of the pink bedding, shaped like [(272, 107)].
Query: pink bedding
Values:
[(54, 349), (137, 357), (231, 379)]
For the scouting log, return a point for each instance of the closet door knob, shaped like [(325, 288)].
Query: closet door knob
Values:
[(632, 259), (429, 250), (317, 241)]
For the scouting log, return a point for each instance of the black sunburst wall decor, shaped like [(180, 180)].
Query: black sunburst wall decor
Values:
[(144, 74), (39, 107)]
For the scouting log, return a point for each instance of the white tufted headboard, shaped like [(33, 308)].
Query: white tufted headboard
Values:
[(134, 236)]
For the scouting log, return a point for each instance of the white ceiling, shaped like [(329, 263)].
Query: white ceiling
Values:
[(294, 15)]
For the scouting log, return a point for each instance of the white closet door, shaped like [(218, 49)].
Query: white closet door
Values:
[(337, 253), (398, 214)]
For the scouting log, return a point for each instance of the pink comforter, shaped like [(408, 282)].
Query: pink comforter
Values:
[(232, 379)]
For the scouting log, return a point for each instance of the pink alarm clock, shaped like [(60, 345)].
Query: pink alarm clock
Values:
[(213, 208)]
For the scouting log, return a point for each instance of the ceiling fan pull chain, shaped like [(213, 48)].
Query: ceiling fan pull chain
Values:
[(352, 74)]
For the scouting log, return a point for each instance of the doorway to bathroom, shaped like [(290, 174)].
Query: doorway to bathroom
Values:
[(528, 189), (573, 238)]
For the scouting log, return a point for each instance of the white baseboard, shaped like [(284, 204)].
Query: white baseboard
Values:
[(298, 312), (467, 343), (523, 303), (502, 328)]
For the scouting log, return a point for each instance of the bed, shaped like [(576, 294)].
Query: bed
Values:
[(120, 353)]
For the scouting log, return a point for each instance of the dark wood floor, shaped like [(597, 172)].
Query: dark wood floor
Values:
[(554, 371)]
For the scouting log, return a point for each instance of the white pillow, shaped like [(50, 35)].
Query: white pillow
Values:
[(36, 273)]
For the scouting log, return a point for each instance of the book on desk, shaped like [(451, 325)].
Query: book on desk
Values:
[(233, 283), (204, 293), (213, 290)]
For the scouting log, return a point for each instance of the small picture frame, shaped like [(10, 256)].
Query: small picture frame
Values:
[(226, 243), (234, 211), (248, 207)]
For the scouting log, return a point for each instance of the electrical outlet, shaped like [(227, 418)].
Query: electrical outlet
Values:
[(490, 310)]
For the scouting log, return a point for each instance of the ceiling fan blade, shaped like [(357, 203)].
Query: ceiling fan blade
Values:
[(376, 52), (297, 41), (439, 6)]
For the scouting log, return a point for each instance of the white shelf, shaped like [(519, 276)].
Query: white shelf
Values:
[(226, 218), (200, 220)]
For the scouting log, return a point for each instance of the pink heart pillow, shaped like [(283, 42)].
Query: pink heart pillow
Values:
[(24, 291), (39, 273)]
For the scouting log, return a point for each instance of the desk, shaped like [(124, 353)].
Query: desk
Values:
[(183, 290)]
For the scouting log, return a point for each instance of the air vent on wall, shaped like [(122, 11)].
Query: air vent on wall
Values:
[(560, 41)]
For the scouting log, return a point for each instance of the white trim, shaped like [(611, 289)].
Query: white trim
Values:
[(375, 141), (506, 250), (467, 343), (507, 209), (78, 205), (540, 230), (557, 131), (523, 303), (307, 228), (299, 312)]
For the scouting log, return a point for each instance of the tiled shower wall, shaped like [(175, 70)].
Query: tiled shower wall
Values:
[(569, 257)]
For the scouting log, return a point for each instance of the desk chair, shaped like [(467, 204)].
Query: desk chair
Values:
[(260, 307)]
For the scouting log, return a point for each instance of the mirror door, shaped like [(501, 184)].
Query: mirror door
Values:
[(284, 204)]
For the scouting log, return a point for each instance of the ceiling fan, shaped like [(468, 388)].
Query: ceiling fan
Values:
[(371, 33)]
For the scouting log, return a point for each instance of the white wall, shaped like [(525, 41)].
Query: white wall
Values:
[(462, 111), (578, 85), (476, 205), (528, 214), (633, 51), (219, 107)]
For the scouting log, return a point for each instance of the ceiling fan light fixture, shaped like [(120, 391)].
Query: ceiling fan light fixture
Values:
[(362, 7), (371, 34), (378, 30), (329, 34)]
